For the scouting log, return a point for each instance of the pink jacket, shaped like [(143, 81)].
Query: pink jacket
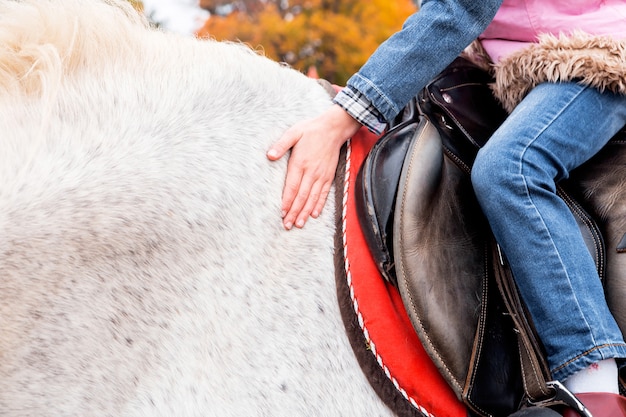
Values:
[(535, 41), (519, 22)]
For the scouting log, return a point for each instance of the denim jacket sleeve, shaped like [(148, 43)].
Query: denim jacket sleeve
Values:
[(430, 39)]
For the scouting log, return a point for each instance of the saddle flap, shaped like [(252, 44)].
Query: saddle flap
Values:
[(441, 247), (443, 265), (435, 281), (376, 188)]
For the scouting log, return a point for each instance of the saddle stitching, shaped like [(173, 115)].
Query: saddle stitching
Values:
[(460, 85), (461, 164), (480, 332)]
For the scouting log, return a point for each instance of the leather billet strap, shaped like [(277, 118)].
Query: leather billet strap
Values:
[(539, 388), (535, 369)]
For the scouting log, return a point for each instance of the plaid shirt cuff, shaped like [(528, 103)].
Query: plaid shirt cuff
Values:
[(359, 107)]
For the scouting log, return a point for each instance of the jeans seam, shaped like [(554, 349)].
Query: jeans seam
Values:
[(587, 352)]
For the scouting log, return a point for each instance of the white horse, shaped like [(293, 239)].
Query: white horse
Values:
[(144, 269)]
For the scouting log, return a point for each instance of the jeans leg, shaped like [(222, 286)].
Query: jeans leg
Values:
[(556, 128)]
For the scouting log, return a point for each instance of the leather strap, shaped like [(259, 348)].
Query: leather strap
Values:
[(535, 370)]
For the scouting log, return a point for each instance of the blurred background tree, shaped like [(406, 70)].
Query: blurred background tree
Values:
[(332, 38)]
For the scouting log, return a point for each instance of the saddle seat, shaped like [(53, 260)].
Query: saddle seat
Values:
[(429, 238)]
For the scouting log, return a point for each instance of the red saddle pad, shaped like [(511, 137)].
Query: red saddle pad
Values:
[(381, 313)]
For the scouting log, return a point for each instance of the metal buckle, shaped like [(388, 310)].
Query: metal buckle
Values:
[(563, 396)]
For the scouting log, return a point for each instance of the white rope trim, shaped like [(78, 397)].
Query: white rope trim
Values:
[(355, 303)]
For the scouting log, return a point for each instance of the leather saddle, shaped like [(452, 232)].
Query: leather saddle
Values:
[(429, 237)]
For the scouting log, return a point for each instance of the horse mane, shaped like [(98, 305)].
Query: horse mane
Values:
[(38, 54), (36, 51), (64, 55)]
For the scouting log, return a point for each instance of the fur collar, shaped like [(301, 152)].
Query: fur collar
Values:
[(598, 61)]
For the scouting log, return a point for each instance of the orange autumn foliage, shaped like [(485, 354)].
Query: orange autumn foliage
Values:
[(333, 37), (137, 4)]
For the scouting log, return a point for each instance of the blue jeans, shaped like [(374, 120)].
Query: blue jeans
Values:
[(556, 128)]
